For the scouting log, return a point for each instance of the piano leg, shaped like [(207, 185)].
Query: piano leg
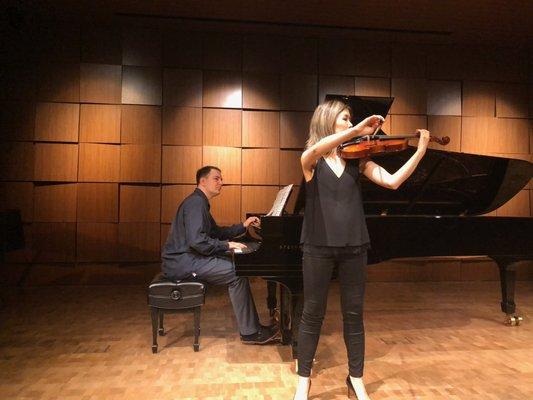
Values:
[(272, 300), (507, 266), (285, 315), (291, 306)]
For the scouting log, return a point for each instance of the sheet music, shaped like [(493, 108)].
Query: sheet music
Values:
[(280, 202)]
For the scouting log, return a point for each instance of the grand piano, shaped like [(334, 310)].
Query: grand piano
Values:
[(436, 212)]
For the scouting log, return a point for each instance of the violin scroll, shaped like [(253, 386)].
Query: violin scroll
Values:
[(443, 140)]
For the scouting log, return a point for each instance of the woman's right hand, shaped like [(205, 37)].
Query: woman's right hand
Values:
[(369, 125)]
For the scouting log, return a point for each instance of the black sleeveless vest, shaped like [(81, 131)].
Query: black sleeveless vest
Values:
[(334, 214)]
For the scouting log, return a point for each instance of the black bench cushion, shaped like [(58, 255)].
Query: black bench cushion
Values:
[(175, 295)]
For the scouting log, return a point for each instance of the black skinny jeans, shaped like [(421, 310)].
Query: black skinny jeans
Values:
[(318, 263)]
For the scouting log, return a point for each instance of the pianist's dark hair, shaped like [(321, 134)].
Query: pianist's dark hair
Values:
[(204, 171), (323, 120)]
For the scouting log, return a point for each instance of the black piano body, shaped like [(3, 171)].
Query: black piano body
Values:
[(436, 212)]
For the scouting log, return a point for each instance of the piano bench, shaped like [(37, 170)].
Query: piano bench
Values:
[(171, 296)]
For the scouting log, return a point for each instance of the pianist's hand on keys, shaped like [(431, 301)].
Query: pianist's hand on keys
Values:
[(249, 247), (237, 247)]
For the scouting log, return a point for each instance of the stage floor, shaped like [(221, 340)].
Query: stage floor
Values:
[(425, 340)]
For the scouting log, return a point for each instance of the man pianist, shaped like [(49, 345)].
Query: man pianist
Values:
[(197, 247)]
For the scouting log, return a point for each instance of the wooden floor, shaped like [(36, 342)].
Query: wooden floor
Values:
[(424, 341)]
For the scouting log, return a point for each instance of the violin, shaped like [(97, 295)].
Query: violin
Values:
[(378, 145)]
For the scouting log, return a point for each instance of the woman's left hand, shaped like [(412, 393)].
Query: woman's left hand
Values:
[(423, 141)]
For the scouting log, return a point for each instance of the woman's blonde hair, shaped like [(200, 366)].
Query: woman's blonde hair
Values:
[(323, 120)]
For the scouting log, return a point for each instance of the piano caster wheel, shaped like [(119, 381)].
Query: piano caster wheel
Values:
[(161, 332), (513, 320), (154, 349), (196, 347)]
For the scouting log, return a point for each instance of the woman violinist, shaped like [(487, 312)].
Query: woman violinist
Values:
[(335, 234)]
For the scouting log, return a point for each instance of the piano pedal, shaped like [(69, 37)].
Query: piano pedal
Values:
[(274, 318), (513, 320)]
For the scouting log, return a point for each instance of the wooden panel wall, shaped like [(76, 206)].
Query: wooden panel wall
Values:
[(102, 136)]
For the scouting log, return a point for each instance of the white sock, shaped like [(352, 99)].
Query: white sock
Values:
[(359, 388), (301, 388)]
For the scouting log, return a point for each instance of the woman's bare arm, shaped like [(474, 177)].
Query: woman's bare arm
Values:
[(381, 177)]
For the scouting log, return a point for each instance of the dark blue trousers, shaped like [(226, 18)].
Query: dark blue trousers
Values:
[(221, 271)]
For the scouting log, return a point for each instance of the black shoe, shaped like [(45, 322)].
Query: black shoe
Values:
[(264, 335)]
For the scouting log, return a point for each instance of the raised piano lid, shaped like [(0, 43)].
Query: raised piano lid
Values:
[(444, 183), (448, 183), (364, 106)]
